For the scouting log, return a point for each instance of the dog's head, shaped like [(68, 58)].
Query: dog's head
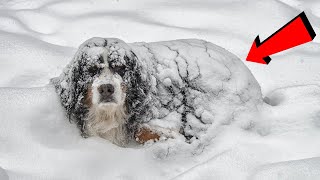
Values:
[(104, 74), (107, 90)]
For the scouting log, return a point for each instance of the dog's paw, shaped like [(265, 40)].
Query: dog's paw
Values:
[(145, 134)]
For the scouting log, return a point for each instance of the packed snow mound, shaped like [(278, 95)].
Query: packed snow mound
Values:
[(185, 87), (304, 169)]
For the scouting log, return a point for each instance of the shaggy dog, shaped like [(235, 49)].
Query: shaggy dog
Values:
[(142, 92)]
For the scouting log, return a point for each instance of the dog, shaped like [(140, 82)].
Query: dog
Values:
[(150, 91)]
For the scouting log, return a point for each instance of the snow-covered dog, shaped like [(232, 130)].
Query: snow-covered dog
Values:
[(178, 89)]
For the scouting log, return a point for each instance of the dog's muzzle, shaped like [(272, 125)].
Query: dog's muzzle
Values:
[(106, 93)]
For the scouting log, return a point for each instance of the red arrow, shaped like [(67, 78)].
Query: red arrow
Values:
[(297, 31)]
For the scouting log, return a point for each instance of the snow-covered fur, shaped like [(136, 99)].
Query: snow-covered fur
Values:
[(107, 119), (181, 89), (93, 58)]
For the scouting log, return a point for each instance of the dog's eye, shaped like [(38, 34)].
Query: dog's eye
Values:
[(100, 60), (119, 70), (93, 69)]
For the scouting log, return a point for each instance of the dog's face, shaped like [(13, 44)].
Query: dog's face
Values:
[(108, 90), (105, 100), (104, 83)]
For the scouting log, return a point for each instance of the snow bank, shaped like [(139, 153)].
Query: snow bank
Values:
[(304, 169), (293, 109), (30, 62)]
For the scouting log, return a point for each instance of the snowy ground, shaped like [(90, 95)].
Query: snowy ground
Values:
[(38, 38)]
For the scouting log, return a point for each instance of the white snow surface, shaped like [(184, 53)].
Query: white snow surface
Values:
[(3, 174), (38, 38)]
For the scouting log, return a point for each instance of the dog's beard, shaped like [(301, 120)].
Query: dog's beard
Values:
[(107, 120), (105, 116)]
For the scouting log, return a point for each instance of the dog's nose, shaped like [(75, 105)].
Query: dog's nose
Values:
[(106, 89)]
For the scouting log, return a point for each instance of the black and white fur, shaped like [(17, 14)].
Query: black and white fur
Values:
[(116, 120)]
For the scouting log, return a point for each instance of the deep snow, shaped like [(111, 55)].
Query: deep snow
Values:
[(38, 39)]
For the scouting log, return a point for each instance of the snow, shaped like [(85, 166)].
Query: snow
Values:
[(297, 169), (3, 174), (40, 37)]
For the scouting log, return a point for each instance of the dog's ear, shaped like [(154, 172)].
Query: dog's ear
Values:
[(72, 84), (138, 89)]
